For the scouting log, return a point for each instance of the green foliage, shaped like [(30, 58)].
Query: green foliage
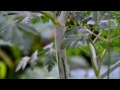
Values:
[(3, 70), (44, 19), (17, 31), (34, 20), (75, 36), (51, 61), (50, 58)]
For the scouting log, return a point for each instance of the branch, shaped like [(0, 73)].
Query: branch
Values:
[(96, 35), (112, 68), (51, 16), (61, 53)]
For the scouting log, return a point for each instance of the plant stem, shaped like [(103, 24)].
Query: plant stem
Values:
[(59, 32), (61, 53), (109, 44), (112, 68), (51, 16), (93, 58), (96, 35)]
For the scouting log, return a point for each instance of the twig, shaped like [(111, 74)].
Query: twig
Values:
[(51, 16), (97, 37), (112, 68)]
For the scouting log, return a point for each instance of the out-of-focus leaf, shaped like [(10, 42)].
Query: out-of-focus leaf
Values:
[(72, 30), (81, 16), (66, 43), (23, 63), (26, 20), (75, 37), (100, 49), (2, 22), (16, 52), (34, 20), (10, 12), (33, 59), (14, 35), (78, 16), (2, 19), (118, 20), (83, 31), (3, 43), (44, 19), (84, 38), (27, 28), (91, 22), (70, 40), (49, 48), (96, 17), (58, 13), (104, 24), (3, 70), (27, 59)]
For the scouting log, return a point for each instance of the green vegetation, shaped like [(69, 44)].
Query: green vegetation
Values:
[(44, 42)]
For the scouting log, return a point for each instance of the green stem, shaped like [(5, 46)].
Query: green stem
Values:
[(112, 68), (96, 35), (93, 58), (51, 16)]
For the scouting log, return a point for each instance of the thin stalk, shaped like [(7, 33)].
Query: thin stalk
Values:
[(96, 35), (109, 44), (93, 58), (51, 16), (112, 68)]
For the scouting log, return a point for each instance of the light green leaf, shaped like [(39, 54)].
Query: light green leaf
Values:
[(3, 70)]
